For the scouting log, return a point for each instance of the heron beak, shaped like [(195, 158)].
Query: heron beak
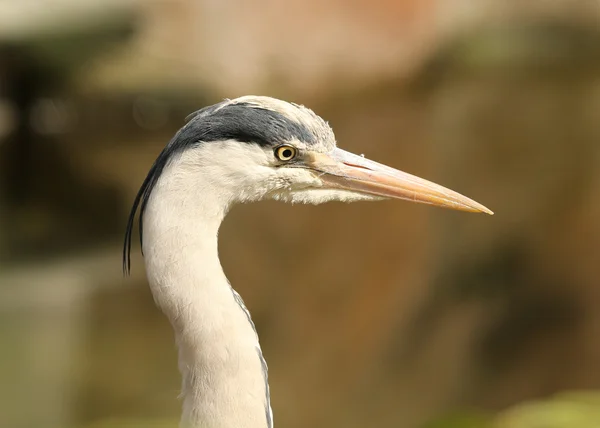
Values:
[(344, 170)]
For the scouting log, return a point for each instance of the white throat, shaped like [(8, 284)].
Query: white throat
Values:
[(224, 374)]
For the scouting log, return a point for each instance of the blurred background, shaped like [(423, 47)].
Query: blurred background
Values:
[(370, 315)]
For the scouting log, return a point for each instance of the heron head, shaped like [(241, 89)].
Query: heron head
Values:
[(258, 148), (255, 148)]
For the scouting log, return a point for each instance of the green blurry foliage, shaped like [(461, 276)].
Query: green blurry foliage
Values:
[(465, 420), (567, 410)]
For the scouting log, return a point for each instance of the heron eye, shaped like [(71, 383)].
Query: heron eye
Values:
[(285, 153)]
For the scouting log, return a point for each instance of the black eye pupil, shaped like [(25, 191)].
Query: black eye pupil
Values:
[(287, 153)]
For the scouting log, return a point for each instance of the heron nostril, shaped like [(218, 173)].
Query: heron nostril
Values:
[(357, 166)]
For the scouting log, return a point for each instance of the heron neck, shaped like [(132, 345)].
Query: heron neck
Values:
[(224, 376)]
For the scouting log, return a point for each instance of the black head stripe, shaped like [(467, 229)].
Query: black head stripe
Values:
[(249, 124)]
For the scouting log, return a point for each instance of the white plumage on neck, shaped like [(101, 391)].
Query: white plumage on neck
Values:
[(224, 373), (224, 383)]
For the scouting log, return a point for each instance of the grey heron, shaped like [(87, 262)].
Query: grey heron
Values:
[(242, 150)]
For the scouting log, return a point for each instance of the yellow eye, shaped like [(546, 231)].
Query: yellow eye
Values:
[(285, 153)]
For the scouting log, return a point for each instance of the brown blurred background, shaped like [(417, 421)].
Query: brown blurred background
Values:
[(370, 315)]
